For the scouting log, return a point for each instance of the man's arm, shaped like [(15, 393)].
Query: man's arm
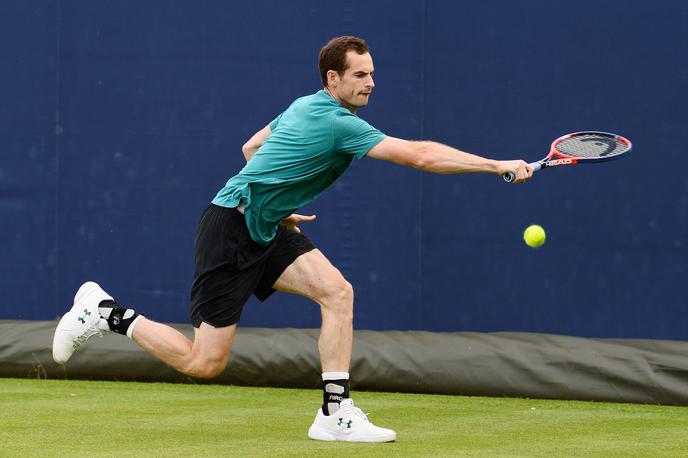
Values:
[(252, 145), (249, 149), (438, 158)]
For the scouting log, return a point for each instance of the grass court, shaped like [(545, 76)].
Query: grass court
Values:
[(86, 418)]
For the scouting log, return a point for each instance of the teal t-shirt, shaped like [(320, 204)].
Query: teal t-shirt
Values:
[(311, 145)]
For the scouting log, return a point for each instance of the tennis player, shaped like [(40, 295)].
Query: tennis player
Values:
[(248, 239)]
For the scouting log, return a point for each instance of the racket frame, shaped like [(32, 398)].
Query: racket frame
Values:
[(555, 158)]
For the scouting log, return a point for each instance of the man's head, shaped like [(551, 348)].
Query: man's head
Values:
[(346, 70)]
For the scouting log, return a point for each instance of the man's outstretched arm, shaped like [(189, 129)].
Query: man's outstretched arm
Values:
[(252, 145), (438, 158)]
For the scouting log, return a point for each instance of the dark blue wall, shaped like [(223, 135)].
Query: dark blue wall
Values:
[(119, 121)]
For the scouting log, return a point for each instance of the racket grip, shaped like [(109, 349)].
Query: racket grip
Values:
[(511, 176)]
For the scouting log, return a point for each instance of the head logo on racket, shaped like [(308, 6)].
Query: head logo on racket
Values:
[(579, 148)]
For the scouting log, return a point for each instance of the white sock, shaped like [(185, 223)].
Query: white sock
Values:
[(335, 376), (130, 331)]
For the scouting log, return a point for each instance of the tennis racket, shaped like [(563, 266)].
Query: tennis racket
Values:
[(581, 148)]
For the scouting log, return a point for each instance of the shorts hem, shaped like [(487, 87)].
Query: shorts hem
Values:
[(196, 322)]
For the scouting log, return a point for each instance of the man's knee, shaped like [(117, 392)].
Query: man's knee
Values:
[(207, 368), (210, 351), (338, 297)]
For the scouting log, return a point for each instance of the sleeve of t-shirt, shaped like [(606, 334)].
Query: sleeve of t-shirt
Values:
[(352, 135), (274, 122)]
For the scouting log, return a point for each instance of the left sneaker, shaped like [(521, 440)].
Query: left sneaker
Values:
[(82, 322), (348, 424)]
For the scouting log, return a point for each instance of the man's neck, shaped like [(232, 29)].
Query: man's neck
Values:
[(341, 102)]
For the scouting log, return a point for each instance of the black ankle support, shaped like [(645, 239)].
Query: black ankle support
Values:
[(334, 392), (119, 318)]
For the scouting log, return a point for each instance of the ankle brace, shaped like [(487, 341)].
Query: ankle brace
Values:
[(335, 390), (120, 319)]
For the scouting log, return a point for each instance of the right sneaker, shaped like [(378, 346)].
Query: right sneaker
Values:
[(82, 322), (348, 424)]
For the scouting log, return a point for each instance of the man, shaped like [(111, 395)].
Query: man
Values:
[(248, 241)]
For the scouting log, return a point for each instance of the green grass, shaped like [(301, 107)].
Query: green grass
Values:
[(70, 418)]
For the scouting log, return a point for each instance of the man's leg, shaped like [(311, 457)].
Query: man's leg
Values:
[(313, 276), (205, 357), (218, 294)]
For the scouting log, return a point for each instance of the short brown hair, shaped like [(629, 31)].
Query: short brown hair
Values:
[(333, 54)]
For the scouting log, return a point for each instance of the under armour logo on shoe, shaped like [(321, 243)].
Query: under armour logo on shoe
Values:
[(347, 423), (81, 318)]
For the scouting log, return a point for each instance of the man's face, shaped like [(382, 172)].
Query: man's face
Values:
[(353, 88)]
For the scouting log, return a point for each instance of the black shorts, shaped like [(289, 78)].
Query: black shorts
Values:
[(230, 266)]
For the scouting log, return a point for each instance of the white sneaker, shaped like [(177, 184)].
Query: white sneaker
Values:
[(348, 424), (81, 323)]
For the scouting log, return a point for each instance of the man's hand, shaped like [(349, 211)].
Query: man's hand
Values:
[(519, 168), (291, 221)]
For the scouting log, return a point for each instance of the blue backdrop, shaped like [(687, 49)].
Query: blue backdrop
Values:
[(120, 121)]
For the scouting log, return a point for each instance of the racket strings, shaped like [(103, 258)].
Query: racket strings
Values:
[(591, 146)]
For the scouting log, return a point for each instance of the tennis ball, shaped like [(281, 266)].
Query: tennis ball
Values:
[(534, 235)]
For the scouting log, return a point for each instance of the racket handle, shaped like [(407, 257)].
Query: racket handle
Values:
[(511, 176)]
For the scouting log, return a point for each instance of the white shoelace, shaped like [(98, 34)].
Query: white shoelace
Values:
[(90, 332), (358, 412)]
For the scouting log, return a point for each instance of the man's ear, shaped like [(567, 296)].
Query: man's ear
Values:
[(332, 78)]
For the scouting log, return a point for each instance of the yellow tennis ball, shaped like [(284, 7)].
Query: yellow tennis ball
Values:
[(534, 235)]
